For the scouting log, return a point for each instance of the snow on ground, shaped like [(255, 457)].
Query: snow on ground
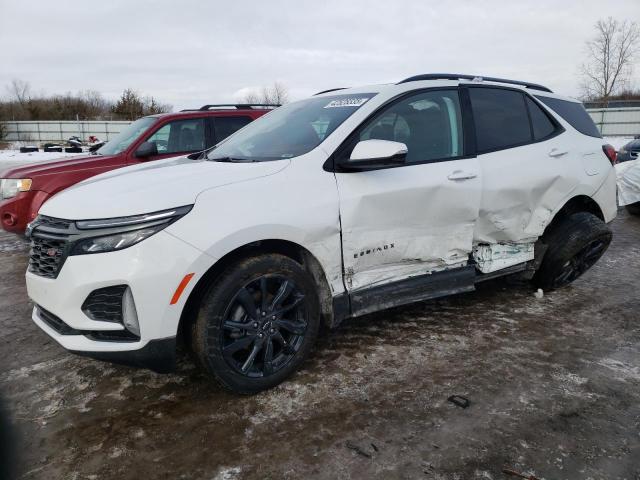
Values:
[(13, 155)]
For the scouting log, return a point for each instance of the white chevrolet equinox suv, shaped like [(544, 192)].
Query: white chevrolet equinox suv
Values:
[(348, 202)]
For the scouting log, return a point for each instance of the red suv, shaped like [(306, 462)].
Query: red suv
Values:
[(24, 189)]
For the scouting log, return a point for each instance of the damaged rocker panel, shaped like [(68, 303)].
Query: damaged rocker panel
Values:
[(414, 289)]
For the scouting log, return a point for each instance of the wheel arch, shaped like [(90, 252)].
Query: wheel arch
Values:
[(579, 203), (284, 247)]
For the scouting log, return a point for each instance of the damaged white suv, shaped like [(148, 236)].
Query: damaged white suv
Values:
[(348, 202)]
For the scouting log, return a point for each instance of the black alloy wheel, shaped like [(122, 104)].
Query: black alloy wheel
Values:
[(257, 322), (264, 326), (584, 259), (575, 243)]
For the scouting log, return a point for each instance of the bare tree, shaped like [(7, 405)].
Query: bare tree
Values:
[(251, 97), (610, 55), (95, 103), (19, 91), (275, 94)]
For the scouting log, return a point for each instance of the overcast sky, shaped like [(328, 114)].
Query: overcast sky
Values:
[(188, 52)]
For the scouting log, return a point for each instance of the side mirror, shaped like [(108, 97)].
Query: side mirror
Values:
[(147, 149), (376, 154)]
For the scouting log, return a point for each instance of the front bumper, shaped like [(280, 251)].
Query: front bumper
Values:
[(158, 355), (152, 270), (17, 212)]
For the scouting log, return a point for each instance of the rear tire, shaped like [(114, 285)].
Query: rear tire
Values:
[(574, 246), (257, 323), (634, 208)]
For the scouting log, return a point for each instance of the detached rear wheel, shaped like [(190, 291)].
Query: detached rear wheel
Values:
[(575, 245), (257, 323)]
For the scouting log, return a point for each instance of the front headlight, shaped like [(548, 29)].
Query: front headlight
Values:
[(115, 242), (9, 187), (112, 234)]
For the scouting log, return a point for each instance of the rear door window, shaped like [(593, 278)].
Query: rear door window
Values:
[(542, 125), (500, 118), (180, 136), (225, 126), (573, 113)]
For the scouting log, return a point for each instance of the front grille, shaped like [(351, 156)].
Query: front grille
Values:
[(56, 323), (49, 243), (47, 256), (52, 222), (105, 304)]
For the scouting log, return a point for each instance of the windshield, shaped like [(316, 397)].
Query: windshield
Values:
[(291, 130), (126, 137)]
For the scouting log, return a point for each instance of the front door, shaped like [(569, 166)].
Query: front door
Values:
[(417, 218), (179, 137)]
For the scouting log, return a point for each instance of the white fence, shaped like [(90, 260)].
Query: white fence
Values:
[(614, 122), (58, 131)]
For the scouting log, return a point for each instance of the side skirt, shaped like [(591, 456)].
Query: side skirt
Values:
[(414, 289)]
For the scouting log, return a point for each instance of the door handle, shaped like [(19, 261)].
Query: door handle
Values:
[(555, 152), (460, 175)]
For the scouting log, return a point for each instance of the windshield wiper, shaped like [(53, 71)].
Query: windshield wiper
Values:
[(233, 160)]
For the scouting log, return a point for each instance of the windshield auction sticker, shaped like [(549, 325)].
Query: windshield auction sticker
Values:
[(347, 102)]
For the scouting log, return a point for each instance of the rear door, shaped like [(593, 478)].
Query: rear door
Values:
[(419, 217), (528, 168), (224, 126)]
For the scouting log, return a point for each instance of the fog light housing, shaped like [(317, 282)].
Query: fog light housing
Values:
[(129, 313)]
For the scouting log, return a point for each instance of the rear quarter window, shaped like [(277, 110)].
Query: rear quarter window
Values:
[(573, 113), (542, 125)]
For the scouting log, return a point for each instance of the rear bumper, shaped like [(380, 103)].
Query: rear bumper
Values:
[(605, 197)]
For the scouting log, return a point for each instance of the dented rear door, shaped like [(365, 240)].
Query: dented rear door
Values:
[(528, 165), (417, 218)]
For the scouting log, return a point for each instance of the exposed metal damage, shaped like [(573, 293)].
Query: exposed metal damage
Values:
[(492, 257)]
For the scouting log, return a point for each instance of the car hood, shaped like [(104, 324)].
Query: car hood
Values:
[(151, 187), (29, 169)]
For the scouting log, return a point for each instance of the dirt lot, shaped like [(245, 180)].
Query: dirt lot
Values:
[(554, 385)]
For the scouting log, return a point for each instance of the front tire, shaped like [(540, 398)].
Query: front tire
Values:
[(257, 323), (574, 246)]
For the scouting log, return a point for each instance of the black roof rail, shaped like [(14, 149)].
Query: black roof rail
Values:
[(237, 106), (330, 90), (457, 76)]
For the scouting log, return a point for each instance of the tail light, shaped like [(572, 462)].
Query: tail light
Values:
[(611, 153)]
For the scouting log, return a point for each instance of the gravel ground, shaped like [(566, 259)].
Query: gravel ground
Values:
[(554, 385)]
